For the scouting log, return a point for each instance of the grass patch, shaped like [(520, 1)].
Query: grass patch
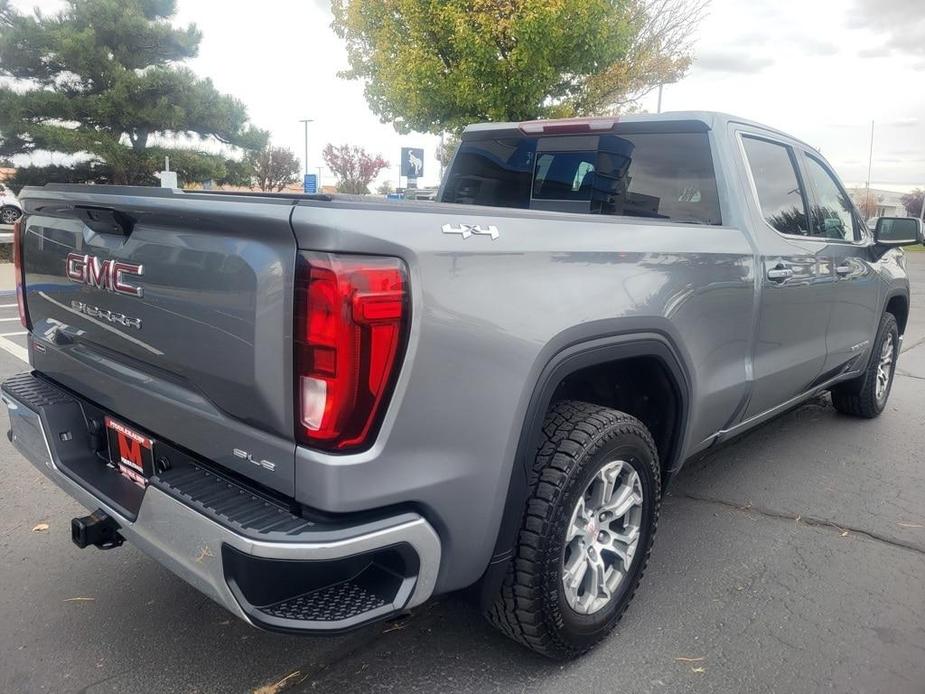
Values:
[(917, 248), (6, 252)]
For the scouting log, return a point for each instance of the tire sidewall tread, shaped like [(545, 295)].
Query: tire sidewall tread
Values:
[(858, 397), (530, 607)]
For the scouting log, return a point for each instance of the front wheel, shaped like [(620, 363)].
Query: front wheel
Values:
[(586, 534), (866, 395), (9, 214)]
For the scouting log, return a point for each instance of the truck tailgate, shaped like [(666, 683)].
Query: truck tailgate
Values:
[(172, 310)]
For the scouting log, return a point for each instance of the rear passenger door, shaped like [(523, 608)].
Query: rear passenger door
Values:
[(795, 275), (855, 296)]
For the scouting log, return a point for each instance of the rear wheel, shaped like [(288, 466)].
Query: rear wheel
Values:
[(9, 214), (587, 532), (866, 395)]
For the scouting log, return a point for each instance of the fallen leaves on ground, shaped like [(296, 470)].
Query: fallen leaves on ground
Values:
[(277, 686), (397, 624), (394, 627), (842, 531), (40, 528), (698, 669)]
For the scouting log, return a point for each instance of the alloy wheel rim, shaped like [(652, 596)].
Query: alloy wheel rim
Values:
[(885, 368), (8, 216), (602, 537)]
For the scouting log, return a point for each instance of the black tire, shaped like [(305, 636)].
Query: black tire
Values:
[(858, 397), (9, 214), (579, 440)]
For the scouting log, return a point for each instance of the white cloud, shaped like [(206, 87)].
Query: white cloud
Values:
[(901, 21), (728, 61), (875, 52), (814, 46), (904, 122)]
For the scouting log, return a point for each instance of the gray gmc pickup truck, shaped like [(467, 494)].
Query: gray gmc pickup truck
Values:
[(322, 411)]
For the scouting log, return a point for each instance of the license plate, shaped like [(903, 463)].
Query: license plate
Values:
[(132, 453)]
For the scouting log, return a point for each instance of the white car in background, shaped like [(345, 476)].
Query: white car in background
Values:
[(10, 209)]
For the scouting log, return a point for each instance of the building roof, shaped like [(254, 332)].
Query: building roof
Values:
[(885, 198)]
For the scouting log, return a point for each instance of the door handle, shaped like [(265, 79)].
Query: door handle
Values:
[(780, 273), (843, 270)]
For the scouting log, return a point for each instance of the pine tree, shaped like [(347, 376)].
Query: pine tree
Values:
[(101, 80)]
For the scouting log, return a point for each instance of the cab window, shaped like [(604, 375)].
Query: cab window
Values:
[(832, 214)]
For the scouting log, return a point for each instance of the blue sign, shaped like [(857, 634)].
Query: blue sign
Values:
[(412, 162), (311, 183), (394, 196)]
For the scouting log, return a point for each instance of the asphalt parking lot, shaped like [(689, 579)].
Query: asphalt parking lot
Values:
[(790, 561)]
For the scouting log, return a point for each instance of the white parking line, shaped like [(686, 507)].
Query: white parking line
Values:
[(20, 353), (24, 332), (8, 305), (5, 320)]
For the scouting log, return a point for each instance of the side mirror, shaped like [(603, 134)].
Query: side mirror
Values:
[(891, 232)]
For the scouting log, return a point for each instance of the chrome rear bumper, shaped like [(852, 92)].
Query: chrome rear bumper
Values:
[(196, 547)]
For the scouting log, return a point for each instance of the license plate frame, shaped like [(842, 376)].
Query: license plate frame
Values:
[(130, 451)]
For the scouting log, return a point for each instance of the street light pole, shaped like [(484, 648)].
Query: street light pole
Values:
[(660, 86), (442, 153), (870, 163), (306, 121)]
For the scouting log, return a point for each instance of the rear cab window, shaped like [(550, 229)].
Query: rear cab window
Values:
[(657, 175)]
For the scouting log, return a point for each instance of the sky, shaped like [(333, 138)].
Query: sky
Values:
[(821, 70)]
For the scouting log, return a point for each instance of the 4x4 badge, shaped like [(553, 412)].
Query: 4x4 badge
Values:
[(467, 230)]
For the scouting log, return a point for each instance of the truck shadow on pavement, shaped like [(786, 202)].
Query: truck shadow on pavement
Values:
[(710, 569), (754, 496)]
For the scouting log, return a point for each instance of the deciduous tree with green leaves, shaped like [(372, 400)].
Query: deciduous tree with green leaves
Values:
[(437, 65), (446, 150), (273, 168), (101, 80)]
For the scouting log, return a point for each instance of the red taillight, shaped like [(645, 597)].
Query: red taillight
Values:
[(567, 125), (20, 274), (350, 328)]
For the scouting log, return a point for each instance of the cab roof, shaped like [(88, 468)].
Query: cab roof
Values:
[(708, 120)]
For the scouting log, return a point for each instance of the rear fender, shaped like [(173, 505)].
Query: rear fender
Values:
[(564, 363)]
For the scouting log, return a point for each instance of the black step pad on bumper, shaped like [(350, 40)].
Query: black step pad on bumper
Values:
[(266, 559), (230, 503), (331, 604)]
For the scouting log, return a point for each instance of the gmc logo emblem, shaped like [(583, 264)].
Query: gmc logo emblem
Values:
[(103, 274)]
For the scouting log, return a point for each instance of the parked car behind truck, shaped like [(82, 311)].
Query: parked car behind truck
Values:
[(321, 411), (10, 210)]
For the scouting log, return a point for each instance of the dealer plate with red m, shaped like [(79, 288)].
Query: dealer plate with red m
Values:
[(132, 453)]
